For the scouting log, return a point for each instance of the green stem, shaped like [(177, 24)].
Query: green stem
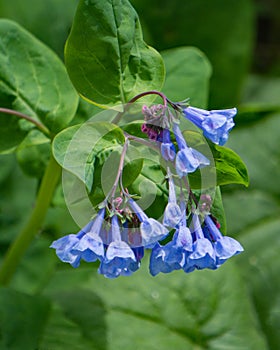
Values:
[(22, 242)]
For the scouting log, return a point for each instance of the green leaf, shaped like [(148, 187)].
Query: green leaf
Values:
[(149, 186), (106, 168), (217, 210), (261, 94), (6, 166), (16, 201), (226, 167), (203, 310), (22, 319), (31, 14), (260, 268), (12, 132), (33, 80), (77, 148), (38, 258), (258, 145), (106, 57), (33, 153), (83, 321), (187, 75)]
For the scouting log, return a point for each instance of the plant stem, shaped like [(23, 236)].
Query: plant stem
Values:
[(18, 248), (134, 99), (39, 125)]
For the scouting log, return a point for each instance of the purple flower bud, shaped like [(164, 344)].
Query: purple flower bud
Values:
[(215, 124)]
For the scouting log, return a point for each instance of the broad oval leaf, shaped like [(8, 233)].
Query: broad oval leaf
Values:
[(33, 80), (202, 310), (226, 166), (188, 73), (105, 55), (76, 148), (33, 153)]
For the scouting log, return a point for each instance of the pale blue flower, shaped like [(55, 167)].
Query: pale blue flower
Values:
[(172, 256), (172, 212), (120, 258), (91, 247), (151, 230), (225, 247), (64, 246), (215, 124), (168, 150), (203, 254), (187, 159)]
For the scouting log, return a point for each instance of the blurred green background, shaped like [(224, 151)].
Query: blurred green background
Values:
[(236, 307)]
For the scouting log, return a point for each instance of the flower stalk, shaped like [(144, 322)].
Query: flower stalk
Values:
[(18, 248)]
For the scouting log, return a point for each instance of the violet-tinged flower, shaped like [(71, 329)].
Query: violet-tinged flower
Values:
[(225, 247), (172, 256), (64, 246), (187, 158), (91, 247), (86, 244), (151, 230), (203, 255), (215, 124), (172, 212), (120, 258), (168, 150)]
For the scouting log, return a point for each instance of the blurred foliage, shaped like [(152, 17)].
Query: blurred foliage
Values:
[(236, 307)]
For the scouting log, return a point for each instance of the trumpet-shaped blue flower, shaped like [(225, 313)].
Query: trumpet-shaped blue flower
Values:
[(203, 254), (168, 150), (215, 124), (64, 246), (187, 158), (172, 212), (151, 230), (86, 244), (173, 255), (225, 247), (120, 258)]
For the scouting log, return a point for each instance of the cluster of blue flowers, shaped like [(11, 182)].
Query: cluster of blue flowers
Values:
[(119, 233)]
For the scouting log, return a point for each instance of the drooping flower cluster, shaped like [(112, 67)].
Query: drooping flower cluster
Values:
[(119, 247), (121, 230)]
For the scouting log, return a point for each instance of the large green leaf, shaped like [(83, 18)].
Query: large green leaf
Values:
[(22, 319), (33, 80), (253, 216), (226, 167), (77, 148), (106, 57), (201, 310), (12, 133), (33, 153), (258, 145), (187, 75), (31, 14), (260, 267), (261, 94)]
